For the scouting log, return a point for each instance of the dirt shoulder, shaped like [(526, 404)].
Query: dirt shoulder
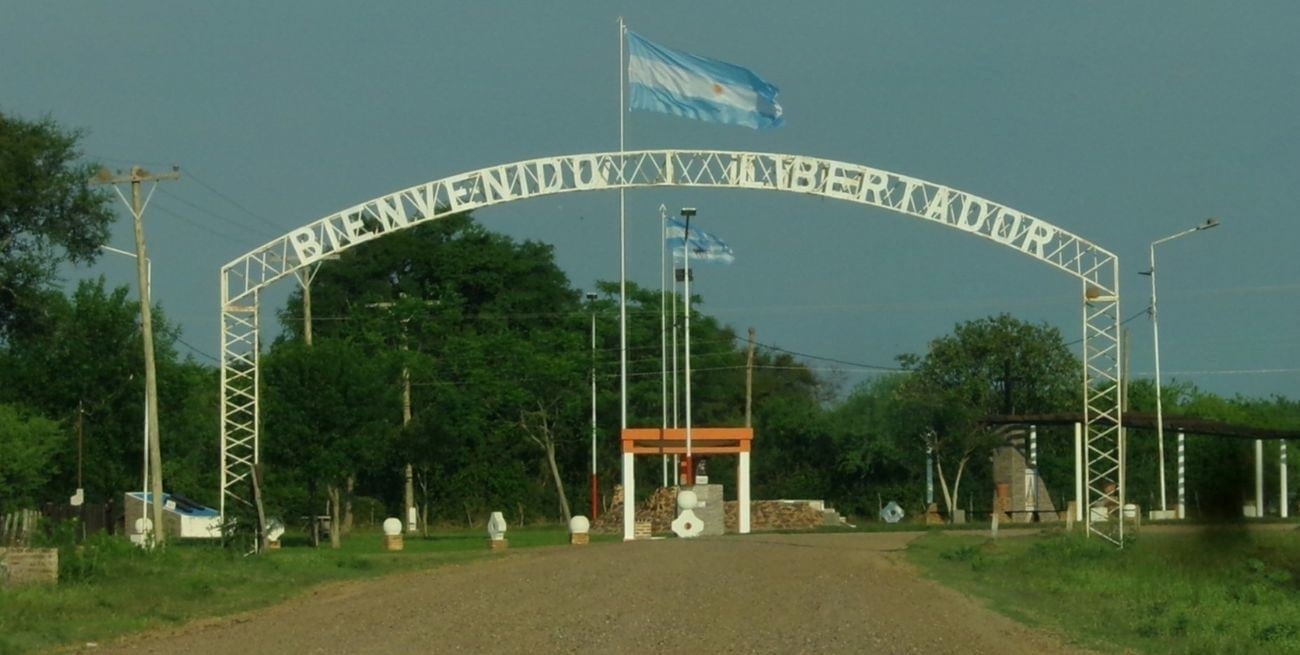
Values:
[(824, 593)]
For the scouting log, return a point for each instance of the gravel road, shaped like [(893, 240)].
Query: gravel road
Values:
[(807, 593)]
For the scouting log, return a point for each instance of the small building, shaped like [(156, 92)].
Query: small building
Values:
[(182, 517)]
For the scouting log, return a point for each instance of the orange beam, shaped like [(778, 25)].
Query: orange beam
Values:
[(697, 434), (672, 441), (681, 450)]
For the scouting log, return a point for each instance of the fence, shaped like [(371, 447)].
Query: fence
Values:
[(18, 528)]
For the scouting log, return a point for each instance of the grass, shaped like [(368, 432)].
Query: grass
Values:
[(1218, 590), (110, 588)]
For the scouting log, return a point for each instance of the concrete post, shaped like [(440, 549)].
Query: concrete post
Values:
[(1182, 476), (742, 495), (1259, 478), (629, 497), (1079, 500), (1281, 453)]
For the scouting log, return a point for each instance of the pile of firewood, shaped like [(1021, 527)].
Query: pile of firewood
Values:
[(661, 508), (776, 515)]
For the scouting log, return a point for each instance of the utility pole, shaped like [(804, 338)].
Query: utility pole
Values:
[(749, 382), (135, 179), (408, 491)]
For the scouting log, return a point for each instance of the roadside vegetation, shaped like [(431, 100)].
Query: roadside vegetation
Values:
[(1219, 589), (109, 587)]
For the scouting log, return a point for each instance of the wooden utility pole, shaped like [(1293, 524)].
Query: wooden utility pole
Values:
[(408, 492), (81, 415), (749, 381), (135, 178)]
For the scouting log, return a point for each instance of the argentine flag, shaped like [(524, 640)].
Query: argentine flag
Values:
[(680, 83), (704, 246)]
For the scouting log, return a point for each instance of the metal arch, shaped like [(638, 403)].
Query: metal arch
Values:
[(242, 278)]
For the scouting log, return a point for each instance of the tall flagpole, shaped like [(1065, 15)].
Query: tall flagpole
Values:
[(622, 241), (629, 461), (676, 470), (663, 327)]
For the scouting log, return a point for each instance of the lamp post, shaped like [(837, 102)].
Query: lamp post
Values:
[(687, 464), (148, 292), (591, 300), (1155, 332)]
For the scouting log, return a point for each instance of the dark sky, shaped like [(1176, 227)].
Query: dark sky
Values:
[(1121, 122)]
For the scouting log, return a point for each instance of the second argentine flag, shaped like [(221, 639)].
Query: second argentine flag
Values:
[(680, 83), (704, 246)]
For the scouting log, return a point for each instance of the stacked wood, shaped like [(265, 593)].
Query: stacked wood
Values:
[(776, 515), (659, 509)]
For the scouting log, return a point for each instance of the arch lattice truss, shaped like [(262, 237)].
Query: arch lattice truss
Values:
[(299, 252)]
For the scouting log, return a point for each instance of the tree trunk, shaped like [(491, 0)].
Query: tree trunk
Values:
[(956, 484), (950, 494), (347, 505), (335, 537), (315, 524), (559, 485), (943, 483), (423, 480)]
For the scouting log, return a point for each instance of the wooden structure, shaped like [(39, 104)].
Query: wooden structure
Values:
[(673, 441)]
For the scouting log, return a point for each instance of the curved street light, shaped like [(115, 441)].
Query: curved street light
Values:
[(1155, 331), (148, 293)]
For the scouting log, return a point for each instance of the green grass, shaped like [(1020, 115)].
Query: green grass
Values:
[(1218, 590), (109, 587)]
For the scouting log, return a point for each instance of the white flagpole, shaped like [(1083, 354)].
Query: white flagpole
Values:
[(622, 240), (663, 328), (629, 460), (676, 470)]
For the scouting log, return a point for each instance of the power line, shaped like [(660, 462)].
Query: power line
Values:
[(196, 350), (230, 200), (202, 226), (209, 212), (829, 359)]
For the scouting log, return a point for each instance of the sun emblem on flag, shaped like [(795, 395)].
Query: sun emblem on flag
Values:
[(717, 89)]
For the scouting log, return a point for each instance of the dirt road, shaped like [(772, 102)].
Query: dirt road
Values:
[(815, 593)]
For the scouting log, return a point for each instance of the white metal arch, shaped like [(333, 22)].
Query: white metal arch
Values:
[(299, 250)]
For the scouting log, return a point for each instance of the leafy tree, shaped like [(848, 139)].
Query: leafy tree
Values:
[(876, 455), (329, 411), (28, 447), (48, 214), (85, 365), (995, 365), (484, 324)]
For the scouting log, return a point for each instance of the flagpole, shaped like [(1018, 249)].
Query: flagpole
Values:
[(663, 328), (676, 470), (629, 476), (623, 268)]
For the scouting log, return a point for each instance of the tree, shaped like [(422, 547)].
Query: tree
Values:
[(875, 447), (469, 311), (86, 363), (995, 365), (48, 214), (28, 445), (329, 413)]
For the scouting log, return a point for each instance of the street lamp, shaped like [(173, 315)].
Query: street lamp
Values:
[(687, 464), (1155, 332), (591, 301), (148, 293)]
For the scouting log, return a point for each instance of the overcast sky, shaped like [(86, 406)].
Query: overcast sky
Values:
[(1120, 122)]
